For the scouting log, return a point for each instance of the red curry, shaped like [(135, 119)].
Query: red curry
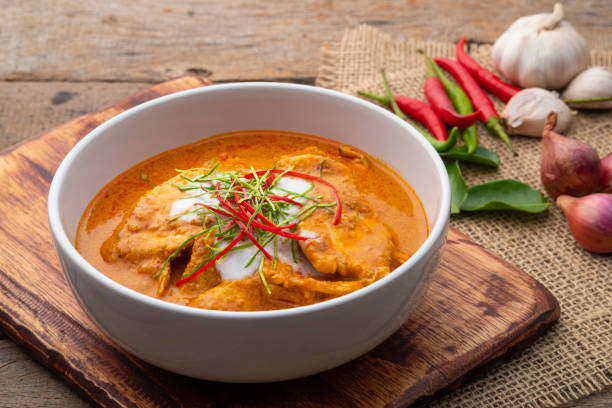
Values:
[(256, 220)]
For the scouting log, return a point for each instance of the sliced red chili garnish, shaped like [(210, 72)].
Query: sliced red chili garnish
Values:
[(338, 215), (212, 261), (284, 198)]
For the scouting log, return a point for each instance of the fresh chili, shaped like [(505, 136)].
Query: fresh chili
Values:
[(486, 79), (240, 218), (250, 210), (442, 105), (440, 146), (460, 101), (488, 114), (226, 228), (270, 180), (285, 199), (244, 218), (249, 233), (420, 111), (213, 260)]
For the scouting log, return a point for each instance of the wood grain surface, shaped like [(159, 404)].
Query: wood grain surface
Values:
[(477, 309), (62, 59), (125, 40)]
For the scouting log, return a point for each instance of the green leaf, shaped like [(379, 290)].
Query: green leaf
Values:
[(480, 156), (459, 189), (504, 195)]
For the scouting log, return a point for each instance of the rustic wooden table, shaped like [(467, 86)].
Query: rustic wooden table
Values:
[(65, 58)]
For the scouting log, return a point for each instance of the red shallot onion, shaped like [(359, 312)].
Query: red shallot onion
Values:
[(590, 220), (605, 183), (568, 166)]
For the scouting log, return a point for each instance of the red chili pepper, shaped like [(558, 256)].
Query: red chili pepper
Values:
[(212, 261), (338, 215), (423, 113), (239, 216), (251, 210), (418, 110), (240, 219), (442, 105), (486, 79), (285, 199), (480, 100), (250, 235), (227, 227), (247, 208), (215, 210), (279, 231), (274, 229)]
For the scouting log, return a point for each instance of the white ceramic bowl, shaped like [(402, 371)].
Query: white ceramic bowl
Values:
[(247, 346)]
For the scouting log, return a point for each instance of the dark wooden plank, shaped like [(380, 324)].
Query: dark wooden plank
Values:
[(477, 309), (141, 41)]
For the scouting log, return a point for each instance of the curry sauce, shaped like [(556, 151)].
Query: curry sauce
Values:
[(145, 229)]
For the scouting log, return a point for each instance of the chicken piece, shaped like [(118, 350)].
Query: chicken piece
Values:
[(292, 286), (207, 279), (146, 237), (236, 295), (287, 287), (357, 158), (360, 246)]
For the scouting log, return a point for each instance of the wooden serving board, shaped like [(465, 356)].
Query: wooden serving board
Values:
[(477, 309)]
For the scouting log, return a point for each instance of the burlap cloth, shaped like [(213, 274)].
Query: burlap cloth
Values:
[(574, 358)]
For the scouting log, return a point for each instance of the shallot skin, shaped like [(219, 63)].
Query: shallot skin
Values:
[(568, 166), (605, 183), (590, 220)]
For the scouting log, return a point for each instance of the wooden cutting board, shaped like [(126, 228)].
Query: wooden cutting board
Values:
[(477, 309)]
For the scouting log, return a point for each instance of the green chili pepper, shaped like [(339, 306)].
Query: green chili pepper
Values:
[(383, 100), (460, 101), (440, 146)]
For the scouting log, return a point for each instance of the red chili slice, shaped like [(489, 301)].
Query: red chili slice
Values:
[(250, 235), (283, 198), (338, 215), (212, 261), (215, 210)]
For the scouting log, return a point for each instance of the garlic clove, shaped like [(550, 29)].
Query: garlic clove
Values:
[(541, 51), (568, 166), (525, 114), (593, 83), (590, 220)]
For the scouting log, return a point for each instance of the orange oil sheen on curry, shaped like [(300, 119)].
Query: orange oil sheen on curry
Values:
[(255, 220)]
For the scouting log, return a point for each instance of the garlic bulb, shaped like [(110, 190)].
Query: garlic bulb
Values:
[(541, 51), (593, 83), (525, 113)]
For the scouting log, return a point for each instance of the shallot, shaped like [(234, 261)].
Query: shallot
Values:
[(605, 183), (568, 166), (590, 220)]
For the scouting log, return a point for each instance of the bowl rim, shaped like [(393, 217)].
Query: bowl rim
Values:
[(65, 245)]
